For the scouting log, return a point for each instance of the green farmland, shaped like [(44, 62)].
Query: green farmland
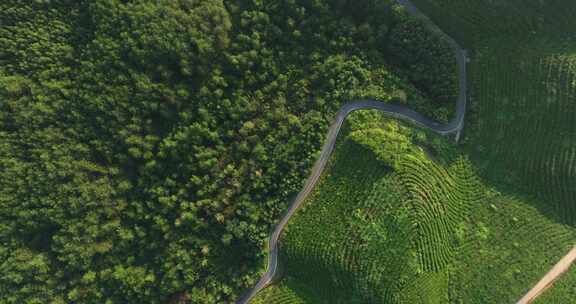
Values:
[(477, 224), (414, 226), (522, 132)]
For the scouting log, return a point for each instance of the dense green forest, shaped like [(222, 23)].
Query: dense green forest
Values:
[(146, 147)]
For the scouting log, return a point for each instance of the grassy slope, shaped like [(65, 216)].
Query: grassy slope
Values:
[(417, 228)]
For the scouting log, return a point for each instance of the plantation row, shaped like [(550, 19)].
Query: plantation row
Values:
[(418, 228), (456, 237), (474, 21), (524, 133)]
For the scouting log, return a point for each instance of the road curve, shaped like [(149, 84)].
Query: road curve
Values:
[(398, 111)]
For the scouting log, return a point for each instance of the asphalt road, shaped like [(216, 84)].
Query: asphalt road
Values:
[(398, 111)]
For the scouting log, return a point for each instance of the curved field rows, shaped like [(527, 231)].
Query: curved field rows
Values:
[(365, 228), (522, 131), (522, 140), (528, 126), (428, 231)]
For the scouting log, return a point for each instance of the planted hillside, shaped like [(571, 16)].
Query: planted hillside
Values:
[(522, 134), (402, 216), (522, 131), (146, 147), (520, 141)]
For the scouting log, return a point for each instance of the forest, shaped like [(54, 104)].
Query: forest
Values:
[(147, 147)]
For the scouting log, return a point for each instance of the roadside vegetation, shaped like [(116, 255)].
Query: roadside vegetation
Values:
[(563, 290), (146, 147), (401, 216), (519, 143)]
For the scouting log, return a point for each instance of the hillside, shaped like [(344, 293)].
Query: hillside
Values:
[(147, 147), (522, 132), (519, 143), (402, 216)]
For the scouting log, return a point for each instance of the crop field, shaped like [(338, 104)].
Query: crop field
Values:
[(522, 134), (564, 290), (472, 22), (436, 224), (522, 131), (402, 217)]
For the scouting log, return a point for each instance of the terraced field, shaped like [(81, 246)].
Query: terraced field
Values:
[(410, 221), (522, 133), (525, 127), (477, 225)]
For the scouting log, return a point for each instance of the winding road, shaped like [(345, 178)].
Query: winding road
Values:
[(398, 111)]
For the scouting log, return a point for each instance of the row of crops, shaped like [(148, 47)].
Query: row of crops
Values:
[(522, 131), (429, 226), (471, 22), (525, 127), (423, 228)]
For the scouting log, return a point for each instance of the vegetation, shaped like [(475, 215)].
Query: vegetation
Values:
[(146, 147), (520, 143), (522, 134), (563, 290), (402, 217), (473, 22), (412, 47)]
